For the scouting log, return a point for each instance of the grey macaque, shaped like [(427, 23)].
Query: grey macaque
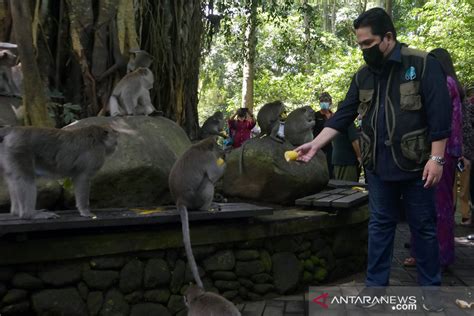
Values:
[(11, 76), (269, 118), (299, 126), (131, 96), (202, 303), (27, 152), (139, 58), (214, 125), (191, 182)]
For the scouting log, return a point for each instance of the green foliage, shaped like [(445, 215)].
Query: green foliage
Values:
[(64, 114), (447, 24), (296, 60)]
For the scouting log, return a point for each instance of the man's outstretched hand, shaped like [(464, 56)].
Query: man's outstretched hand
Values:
[(306, 151)]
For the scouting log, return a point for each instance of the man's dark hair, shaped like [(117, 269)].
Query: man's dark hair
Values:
[(378, 20)]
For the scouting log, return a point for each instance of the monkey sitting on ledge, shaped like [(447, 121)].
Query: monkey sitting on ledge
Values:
[(27, 152)]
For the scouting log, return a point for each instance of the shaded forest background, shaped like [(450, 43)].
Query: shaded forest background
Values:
[(211, 55)]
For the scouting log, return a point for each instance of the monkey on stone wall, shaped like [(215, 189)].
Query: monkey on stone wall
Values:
[(214, 125), (11, 76), (131, 96), (138, 59), (202, 303), (27, 152), (191, 182), (269, 118), (299, 126)]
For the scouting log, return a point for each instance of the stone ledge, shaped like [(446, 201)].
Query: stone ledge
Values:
[(63, 246)]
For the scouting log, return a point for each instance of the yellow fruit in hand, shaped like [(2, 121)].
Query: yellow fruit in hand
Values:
[(291, 155), (220, 162)]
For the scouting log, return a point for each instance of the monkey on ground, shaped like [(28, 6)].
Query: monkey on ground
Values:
[(139, 58), (269, 118), (191, 182), (27, 152), (131, 96), (202, 303), (299, 126), (214, 125)]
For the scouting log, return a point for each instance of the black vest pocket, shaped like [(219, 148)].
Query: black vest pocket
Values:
[(365, 98), (410, 100), (415, 145), (366, 150)]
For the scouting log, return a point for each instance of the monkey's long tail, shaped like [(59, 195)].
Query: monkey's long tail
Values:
[(183, 212)]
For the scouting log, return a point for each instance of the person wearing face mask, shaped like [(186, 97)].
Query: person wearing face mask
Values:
[(321, 116), (402, 96)]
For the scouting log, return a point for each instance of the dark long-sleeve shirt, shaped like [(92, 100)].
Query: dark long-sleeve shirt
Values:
[(435, 98)]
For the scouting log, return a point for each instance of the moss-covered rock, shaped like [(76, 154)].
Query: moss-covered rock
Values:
[(131, 276), (136, 174), (267, 176), (308, 265), (266, 260), (156, 273), (320, 274), (59, 302), (307, 277), (221, 261)]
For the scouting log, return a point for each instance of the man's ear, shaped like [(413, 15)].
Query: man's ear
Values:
[(389, 36)]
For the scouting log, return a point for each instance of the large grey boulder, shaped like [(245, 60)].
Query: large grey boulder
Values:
[(267, 176), (136, 174), (59, 302)]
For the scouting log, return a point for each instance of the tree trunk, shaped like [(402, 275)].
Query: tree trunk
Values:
[(333, 17), (34, 98), (171, 30), (5, 21), (389, 7), (326, 22), (250, 42), (307, 31), (81, 17)]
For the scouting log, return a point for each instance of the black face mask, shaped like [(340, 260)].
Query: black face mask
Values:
[(373, 56)]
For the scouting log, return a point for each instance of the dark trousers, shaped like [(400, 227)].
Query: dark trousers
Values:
[(419, 204)]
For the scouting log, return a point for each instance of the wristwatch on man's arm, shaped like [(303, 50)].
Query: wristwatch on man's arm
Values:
[(440, 160)]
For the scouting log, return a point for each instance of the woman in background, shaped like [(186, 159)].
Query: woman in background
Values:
[(240, 126), (444, 190)]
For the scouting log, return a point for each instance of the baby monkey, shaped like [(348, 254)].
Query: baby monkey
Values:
[(202, 303)]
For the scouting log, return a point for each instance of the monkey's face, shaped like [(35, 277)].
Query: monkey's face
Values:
[(309, 115), (7, 58), (283, 113)]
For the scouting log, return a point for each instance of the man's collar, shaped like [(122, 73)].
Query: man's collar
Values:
[(396, 54)]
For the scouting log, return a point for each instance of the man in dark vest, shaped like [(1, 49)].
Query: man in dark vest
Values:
[(402, 97)]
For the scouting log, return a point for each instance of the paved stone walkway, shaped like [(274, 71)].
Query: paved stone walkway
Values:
[(460, 274)]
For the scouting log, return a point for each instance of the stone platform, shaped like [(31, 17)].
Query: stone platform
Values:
[(139, 268)]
